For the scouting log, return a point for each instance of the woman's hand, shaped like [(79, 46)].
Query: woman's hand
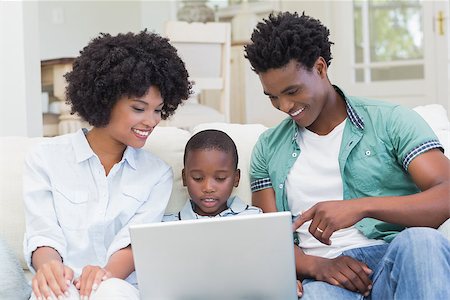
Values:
[(90, 279), (344, 271), (52, 278), (299, 289)]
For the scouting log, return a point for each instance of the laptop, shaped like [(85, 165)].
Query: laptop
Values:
[(239, 257)]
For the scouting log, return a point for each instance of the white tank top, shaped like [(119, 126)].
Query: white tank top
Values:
[(315, 177)]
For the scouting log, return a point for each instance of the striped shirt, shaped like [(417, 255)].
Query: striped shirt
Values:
[(235, 207)]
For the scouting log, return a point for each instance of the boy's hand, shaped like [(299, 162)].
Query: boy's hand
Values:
[(330, 216), (52, 278), (344, 271), (90, 279)]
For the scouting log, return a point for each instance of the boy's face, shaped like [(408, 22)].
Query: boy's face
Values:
[(210, 176), (134, 118), (298, 92)]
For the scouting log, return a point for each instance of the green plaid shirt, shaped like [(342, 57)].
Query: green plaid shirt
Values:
[(379, 142)]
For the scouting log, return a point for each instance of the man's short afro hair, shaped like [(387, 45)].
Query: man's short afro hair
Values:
[(286, 36), (111, 67)]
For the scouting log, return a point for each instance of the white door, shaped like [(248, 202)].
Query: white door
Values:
[(392, 50)]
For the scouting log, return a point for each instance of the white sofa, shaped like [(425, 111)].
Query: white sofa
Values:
[(166, 142)]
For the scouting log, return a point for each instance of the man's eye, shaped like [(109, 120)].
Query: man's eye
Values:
[(292, 92)]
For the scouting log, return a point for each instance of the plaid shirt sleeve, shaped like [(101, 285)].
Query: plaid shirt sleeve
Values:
[(259, 174)]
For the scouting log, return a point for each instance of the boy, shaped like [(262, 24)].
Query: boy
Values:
[(210, 173), (358, 171)]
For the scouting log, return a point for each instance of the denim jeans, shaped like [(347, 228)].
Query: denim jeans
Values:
[(415, 265)]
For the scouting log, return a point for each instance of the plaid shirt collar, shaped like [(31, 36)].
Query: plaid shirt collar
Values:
[(353, 116)]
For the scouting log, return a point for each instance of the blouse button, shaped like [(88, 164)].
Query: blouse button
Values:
[(294, 154), (280, 185), (368, 152)]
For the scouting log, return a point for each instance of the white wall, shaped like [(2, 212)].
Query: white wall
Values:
[(65, 27), (20, 105), (154, 14)]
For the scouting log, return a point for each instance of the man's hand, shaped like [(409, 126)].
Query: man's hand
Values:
[(90, 279), (344, 271), (330, 216), (52, 278)]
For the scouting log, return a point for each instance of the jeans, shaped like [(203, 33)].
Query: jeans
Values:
[(415, 265)]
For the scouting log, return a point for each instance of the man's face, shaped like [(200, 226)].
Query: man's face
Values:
[(296, 91)]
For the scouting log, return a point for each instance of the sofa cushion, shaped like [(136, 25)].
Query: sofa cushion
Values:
[(13, 284), (12, 225), (168, 144)]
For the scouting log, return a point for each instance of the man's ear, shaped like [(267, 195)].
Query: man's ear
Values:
[(183, 177), (237, 177), (321, 67)]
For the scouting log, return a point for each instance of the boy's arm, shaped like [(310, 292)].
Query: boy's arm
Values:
[(430, 171), (341, 271)]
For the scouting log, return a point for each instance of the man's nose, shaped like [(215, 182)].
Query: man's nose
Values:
[(285, 105)]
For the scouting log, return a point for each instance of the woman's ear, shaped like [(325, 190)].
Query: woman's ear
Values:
[(237, 177)]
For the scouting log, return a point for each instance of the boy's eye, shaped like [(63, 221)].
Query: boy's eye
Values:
[(221, 178), (196, 178)]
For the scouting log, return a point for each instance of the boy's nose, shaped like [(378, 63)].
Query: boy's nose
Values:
[(208, 186)]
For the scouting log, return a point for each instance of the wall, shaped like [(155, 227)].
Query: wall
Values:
[(65, 27), (20, 107)]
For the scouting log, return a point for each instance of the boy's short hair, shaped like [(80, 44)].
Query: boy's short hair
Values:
[(212, 139), (286, 36), (111, 67)]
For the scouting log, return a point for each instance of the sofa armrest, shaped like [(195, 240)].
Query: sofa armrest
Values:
[(445, 229)]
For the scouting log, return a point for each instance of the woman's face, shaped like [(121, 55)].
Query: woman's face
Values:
[(134, 118)]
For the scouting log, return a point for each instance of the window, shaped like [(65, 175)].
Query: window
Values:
[(388, 40)]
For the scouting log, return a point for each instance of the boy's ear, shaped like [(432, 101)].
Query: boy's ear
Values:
[(237, 177), (183, 177)]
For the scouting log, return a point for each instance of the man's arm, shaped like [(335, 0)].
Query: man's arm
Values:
[(430, 171), (341, 271)]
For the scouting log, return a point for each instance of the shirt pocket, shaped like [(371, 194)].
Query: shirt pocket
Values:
[(369, 169), (72, 208), (133, 197)]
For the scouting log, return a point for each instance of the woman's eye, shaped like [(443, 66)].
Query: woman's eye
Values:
[(138, 109), (196, 178), (221, 178)]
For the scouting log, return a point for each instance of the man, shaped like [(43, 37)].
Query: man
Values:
[(356, 171)]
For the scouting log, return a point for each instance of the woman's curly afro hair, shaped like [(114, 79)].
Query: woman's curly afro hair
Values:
[(111, 67), (286, 36)]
